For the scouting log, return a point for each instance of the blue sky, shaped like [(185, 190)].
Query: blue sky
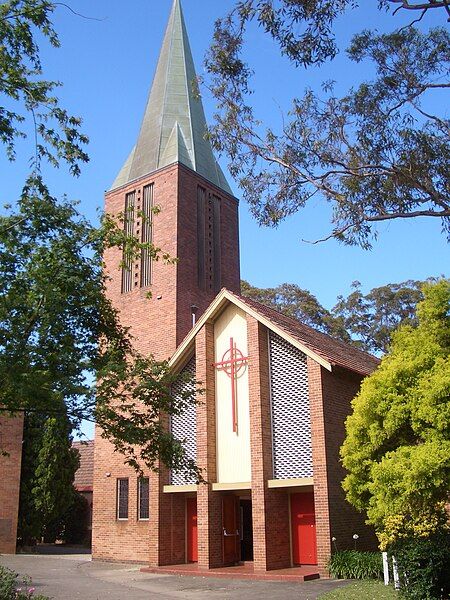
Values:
[(107, 66)]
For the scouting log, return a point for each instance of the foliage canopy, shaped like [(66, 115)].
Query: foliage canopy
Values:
[(48, 468), (374, 154), (63, 350), (365, 320), (397, 449)]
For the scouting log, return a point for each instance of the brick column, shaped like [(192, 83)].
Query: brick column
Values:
[(11, 434), (271, 545), (167, 520), (321, 500), (209, 504)]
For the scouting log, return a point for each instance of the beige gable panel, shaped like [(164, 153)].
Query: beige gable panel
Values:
[(233, 448), (216, 307)]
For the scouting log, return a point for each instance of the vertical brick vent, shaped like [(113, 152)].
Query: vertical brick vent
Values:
[(291, 415), (146, 234), (209, 242), (129, 222), (184, 426)]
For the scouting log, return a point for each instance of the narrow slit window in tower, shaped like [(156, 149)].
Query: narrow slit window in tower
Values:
[(127, 269), (146, 235)]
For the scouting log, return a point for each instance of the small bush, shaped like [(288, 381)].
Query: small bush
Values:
[(16, 587), (424, 566), (352, 564), (76, 521)]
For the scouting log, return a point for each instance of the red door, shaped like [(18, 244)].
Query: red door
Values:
[(303, 520), (230, 528), (191, 529)]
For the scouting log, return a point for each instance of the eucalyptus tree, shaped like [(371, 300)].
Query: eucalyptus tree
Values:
[(375, 154)]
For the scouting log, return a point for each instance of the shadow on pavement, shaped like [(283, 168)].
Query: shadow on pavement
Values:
[(55, 550)]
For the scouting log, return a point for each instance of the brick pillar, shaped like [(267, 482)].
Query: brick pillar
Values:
[(321, 500), (11, 433), (271, 545), (209, 504), (167, 521)]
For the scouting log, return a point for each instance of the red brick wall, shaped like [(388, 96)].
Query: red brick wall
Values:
[(209, 503), (271, 540), (319, 465), (339, 389), (188, 292), (158, 325), (11, 431), (330, 398)]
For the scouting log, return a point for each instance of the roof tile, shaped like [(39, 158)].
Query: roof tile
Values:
[(84, 477), (334, 351)]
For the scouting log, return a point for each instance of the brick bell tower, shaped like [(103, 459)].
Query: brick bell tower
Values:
[(171, 167)]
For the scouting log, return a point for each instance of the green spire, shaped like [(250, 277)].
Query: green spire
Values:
[(174, 123)]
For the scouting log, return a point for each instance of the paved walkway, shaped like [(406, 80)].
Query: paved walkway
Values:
[(75, 577)]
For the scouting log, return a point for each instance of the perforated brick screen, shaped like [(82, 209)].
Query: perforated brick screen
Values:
[(184, 426), (291, 416)]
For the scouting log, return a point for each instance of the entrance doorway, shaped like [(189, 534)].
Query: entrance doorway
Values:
[(246, 529), (303, 521), (230, 530), (191, 530)]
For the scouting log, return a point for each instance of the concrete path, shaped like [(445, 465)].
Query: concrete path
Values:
[(73, 577)]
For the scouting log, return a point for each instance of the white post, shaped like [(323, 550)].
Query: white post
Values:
[(395, 572), (385, 568)]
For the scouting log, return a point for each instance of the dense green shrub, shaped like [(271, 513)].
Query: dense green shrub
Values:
[(16, 587), (424, 566), (352, 564), (76, 521)]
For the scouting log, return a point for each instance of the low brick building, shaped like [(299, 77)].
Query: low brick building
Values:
[(11, 431), (266, 433), (84, 477)]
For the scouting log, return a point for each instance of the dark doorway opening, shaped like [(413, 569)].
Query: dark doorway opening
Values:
[(246, 530)]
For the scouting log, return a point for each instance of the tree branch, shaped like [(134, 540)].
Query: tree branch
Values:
[(381, 217)]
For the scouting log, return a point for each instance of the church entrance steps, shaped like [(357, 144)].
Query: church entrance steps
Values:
[(241, 571)]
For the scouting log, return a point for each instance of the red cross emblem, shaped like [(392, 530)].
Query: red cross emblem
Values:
[(233, 363)]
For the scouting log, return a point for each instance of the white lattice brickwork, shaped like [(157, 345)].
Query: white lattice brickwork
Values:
[(291, 416), (184, 426)]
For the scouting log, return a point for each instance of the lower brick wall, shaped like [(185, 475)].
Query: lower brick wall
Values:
[(278, 543), (209, 503), (11, 431), (209, 512), (339, 389), (330, 397), (128, 540)]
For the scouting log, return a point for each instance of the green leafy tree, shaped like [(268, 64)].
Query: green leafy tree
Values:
[(29, 524), (397, 448), (375, 154), (371, 318), (49, 464), (365, 320), (29, 104), (57, 462), (58, 331), (293, 301)]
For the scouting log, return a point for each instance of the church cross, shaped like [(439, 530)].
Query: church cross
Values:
[(232, 363)]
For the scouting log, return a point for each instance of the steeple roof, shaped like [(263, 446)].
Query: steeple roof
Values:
[(174, 124)]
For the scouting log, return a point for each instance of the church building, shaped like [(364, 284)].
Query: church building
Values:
[(267, 429)]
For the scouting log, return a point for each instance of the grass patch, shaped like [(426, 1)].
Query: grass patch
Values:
[(362, 590)]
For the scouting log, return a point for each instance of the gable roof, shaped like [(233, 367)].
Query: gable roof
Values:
[(84, 477), (174, 125), (321, 347)]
